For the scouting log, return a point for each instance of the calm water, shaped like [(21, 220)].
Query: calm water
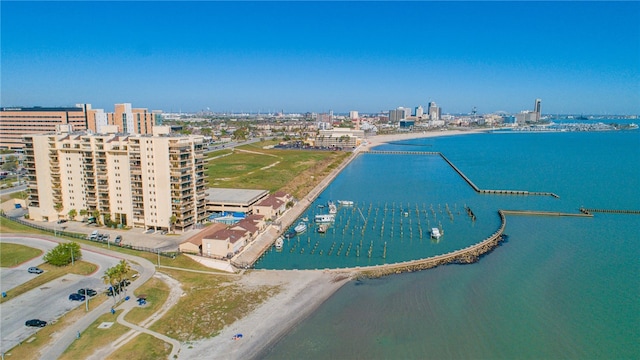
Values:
[(559, 288)]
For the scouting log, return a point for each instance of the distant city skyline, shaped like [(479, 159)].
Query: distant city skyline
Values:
[(578, 57)]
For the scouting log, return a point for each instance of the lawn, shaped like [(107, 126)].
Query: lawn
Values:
[(50, 273), (16, 254), (143, 347), (94, 338), (211, 302), (156, 292), (293, 171)]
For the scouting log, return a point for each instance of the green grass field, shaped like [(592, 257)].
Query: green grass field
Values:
[(94, 338), (252, 167), (16, 254), (143, 347), (156, 292)]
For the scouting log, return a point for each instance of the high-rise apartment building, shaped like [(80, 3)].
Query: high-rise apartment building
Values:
[(398, 114), (419, 112), (155, 182), (353, 115), (434, 111), (16, 122)]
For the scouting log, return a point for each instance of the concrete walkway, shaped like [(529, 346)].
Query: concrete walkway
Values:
[(126, 306)]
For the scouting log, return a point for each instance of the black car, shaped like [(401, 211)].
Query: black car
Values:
[(76, 297), (35, 270), (35, 323), (88, 292)]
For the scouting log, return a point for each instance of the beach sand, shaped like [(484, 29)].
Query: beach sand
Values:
[(302, 292)]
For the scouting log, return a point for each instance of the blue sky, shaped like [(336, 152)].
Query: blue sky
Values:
[(578, 57)]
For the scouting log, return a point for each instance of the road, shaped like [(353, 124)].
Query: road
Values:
[(13, 189), (51, 301)]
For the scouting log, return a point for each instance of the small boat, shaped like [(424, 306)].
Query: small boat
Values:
[(332, 208), (279, 243), (435, 233), (290, 234), (322, 228), (305, 219), (300, 228), (325, 218), (321, 206), (345, 202)]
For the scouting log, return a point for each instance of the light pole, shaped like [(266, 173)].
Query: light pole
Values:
[(71, 251)]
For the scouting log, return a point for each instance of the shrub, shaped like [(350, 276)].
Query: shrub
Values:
[(63, 254)]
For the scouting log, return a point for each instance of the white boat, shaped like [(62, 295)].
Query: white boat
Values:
[(300, 228), (435, 233), (279, 243), (325, 218), (322, 228), (332, 208), (345, 202)]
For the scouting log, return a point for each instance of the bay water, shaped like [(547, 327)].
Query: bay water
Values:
[(558, 288)]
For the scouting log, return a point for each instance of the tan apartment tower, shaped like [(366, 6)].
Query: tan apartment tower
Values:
[(153, 182)]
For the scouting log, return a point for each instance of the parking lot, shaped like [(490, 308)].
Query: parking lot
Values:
[(47, 302), (138, 237)]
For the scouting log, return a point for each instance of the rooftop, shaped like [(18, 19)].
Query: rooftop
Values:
[(234, 196)]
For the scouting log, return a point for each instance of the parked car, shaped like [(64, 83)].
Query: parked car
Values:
[(35, 323), (35, 270), (62, 221), (76, 297), (88, 292), (118, 240), (94, 235)]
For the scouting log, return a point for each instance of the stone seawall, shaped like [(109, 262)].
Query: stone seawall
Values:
[(467, 255)]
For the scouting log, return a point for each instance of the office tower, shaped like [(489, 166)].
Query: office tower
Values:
[(133, 180), (16, 122), (397, 114), (419, 112), (536, 109)]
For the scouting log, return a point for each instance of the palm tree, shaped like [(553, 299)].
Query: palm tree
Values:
[(123, 269), (109, 278)]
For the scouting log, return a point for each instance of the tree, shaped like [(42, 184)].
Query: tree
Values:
[(58, 207), (72, 214), (173, 220), (10, 163), (63, 254), (115, 276), (83, 212)]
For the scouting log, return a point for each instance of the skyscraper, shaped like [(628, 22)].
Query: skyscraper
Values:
[(536, 109)]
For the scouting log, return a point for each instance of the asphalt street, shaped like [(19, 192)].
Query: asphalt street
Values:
[(51, 301)]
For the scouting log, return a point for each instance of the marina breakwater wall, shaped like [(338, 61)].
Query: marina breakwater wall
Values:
[(464, 177), (608, 211), (467, 255)]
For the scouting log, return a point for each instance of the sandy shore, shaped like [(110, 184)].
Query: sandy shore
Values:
[(302, 291), (381, 139)]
